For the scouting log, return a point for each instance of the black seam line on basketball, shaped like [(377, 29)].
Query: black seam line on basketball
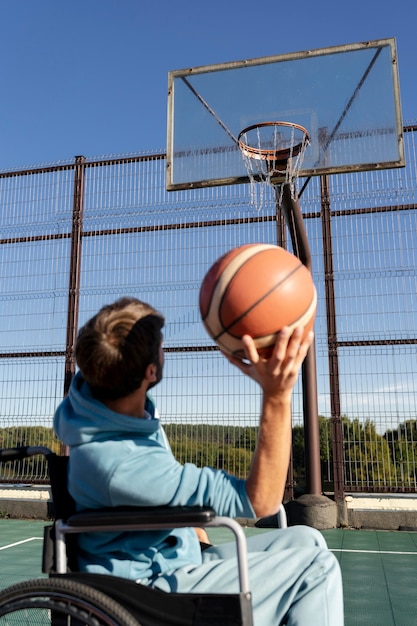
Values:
[(221, 299), (226, 330)]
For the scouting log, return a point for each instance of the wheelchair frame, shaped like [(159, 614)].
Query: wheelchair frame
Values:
[(90, 591)]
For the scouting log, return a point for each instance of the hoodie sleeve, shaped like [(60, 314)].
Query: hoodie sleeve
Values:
[(157, 478)]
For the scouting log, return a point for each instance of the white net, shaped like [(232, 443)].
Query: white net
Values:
[(273, 153)]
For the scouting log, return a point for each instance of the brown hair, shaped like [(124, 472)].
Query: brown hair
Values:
[(115, 347)]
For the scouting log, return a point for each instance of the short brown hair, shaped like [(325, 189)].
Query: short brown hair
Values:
[(115, 347)]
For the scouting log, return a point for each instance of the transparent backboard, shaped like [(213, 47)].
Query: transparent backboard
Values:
[(347, 97)]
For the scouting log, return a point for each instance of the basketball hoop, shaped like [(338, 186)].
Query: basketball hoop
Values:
[(273, 153)]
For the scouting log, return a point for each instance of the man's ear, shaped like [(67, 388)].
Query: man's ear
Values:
[(151, 372)]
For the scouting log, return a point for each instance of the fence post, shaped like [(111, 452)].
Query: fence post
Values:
[(74, 271), (333, 356)]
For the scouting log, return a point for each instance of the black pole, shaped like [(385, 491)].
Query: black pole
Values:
[(301, 249), (282, 241)]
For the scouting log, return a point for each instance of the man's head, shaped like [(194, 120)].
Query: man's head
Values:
[(115, 348)]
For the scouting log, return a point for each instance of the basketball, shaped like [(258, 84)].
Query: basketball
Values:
[(255, 290)]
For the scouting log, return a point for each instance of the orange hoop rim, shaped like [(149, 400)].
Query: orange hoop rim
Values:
[(273, 155)]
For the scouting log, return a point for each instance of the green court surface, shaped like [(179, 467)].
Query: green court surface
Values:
[(379, 568)]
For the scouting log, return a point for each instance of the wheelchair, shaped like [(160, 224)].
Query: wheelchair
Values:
[(71, 598)]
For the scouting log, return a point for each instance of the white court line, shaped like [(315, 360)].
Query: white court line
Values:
[(18, 543), (372, 551)]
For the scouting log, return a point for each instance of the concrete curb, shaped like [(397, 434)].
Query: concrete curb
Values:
[(359, 511), (26, 502)]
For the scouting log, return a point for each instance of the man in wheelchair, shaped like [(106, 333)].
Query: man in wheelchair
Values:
[(119, 456)]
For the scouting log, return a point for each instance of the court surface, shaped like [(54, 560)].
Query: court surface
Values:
[(379, 568)]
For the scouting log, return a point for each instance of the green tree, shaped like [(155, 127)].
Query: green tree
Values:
[(32, 469), (298, 451), (368, 461), (402, 443)]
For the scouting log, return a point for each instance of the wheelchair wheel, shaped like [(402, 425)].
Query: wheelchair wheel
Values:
[(60, 602)]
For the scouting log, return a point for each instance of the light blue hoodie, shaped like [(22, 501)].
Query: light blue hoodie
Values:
[(117, 460)]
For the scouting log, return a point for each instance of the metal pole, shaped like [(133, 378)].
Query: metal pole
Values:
[(282, 241), (336, 418), (74, 271), (301, 249)]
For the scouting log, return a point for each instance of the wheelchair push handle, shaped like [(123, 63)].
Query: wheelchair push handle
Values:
[(22, 452)]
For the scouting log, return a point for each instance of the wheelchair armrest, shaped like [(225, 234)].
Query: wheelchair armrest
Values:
[(148, 518), (22, 452), (137, 517)]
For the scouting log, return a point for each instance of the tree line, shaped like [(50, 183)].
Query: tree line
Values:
[(370, 459)]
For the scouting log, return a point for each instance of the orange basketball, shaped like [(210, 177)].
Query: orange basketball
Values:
[(255, 290)]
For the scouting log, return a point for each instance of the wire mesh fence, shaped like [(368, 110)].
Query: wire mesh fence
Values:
[(76, 236)]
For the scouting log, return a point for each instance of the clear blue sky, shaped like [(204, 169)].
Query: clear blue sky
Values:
[(90, 76)]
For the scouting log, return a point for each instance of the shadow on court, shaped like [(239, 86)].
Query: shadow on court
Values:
[(379, 568)]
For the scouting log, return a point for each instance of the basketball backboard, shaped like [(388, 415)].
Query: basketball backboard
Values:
[(347, 97)]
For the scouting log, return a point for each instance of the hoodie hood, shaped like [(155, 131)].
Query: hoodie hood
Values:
[(80, 418)]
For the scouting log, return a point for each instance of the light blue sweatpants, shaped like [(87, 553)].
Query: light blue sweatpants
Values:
[(294, 578)]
